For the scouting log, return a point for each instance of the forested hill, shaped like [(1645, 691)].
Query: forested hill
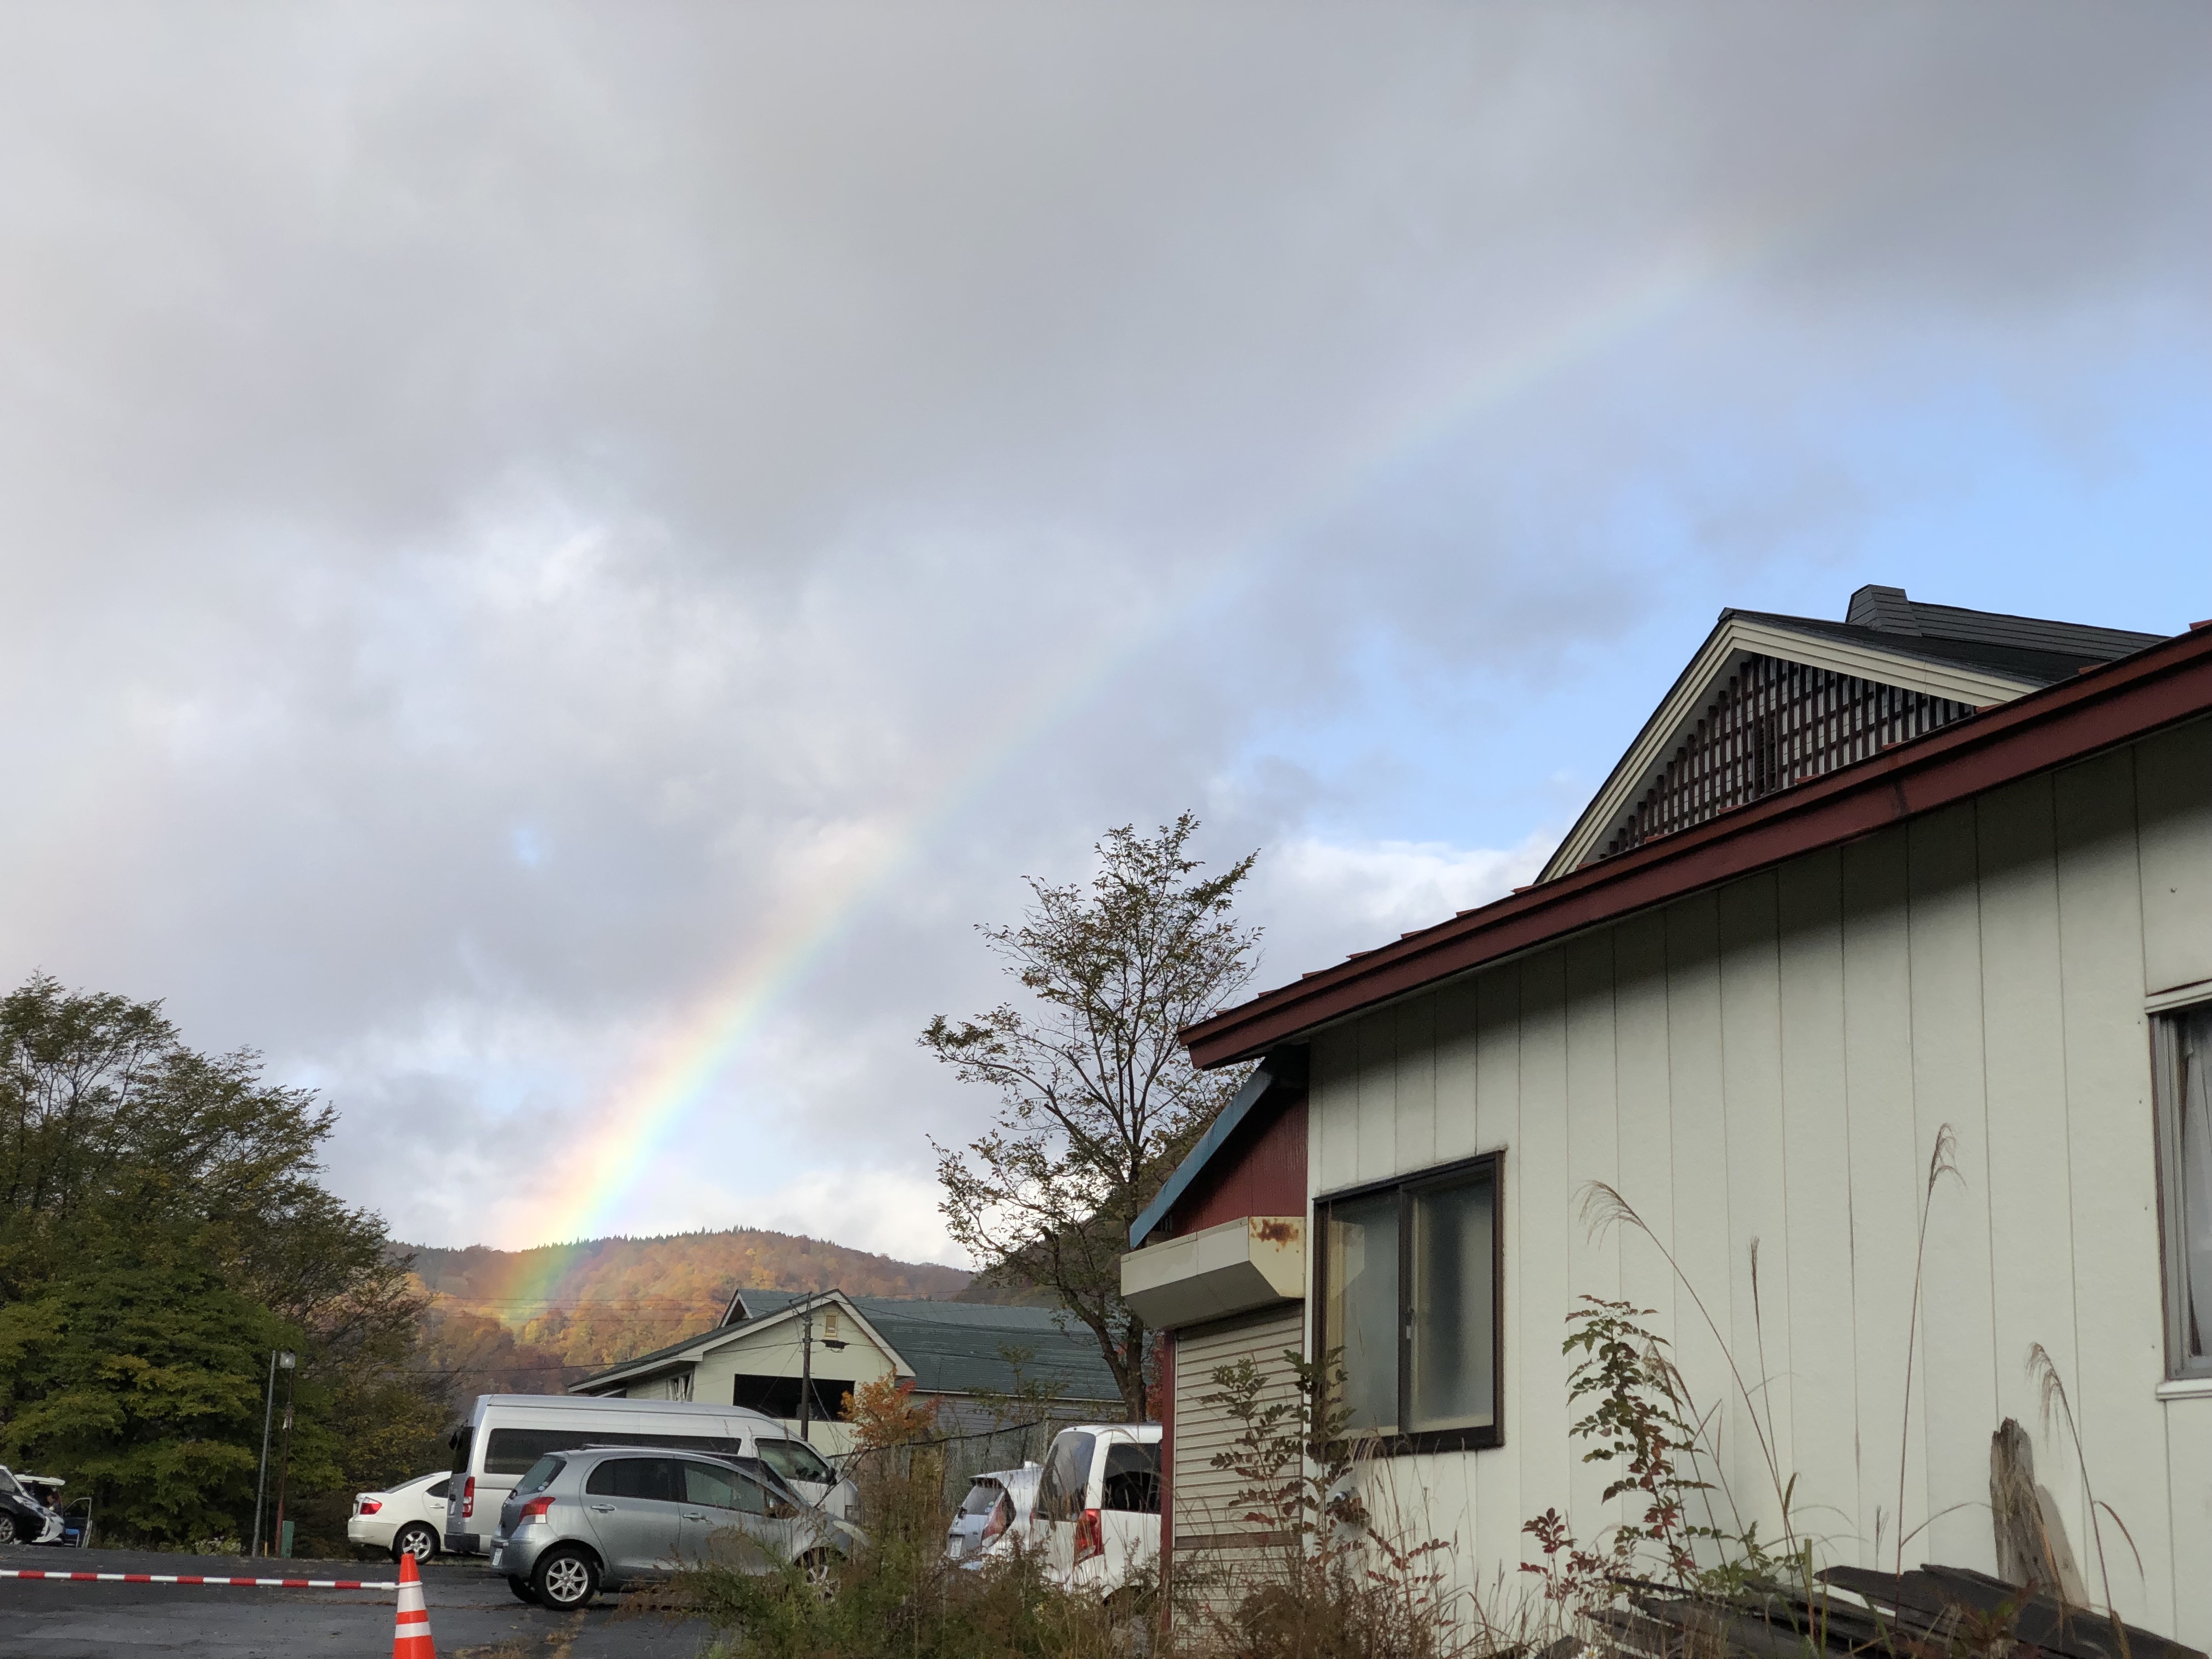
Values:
[(610, 1298)]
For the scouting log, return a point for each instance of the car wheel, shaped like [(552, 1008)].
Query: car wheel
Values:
[(520, 1586), (415, 1540), (566, 1579), (6, 1528), (818, 1570)]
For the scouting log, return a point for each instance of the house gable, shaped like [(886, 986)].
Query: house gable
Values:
[(1772, 700)]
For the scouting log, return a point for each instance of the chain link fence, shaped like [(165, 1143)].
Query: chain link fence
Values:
[(959, 1458)]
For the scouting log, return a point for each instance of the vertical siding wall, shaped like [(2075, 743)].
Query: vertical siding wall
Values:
[(1773, 1062)]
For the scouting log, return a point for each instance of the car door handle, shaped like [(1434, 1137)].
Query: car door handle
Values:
[(695, 1514), (601, 1508)]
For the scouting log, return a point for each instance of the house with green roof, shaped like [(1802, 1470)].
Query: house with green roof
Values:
[(796, 1354)]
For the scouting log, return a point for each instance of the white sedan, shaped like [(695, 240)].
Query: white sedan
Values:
[(405, 1521)]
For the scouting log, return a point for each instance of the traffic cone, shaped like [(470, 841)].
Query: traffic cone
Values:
[(411, 1636)]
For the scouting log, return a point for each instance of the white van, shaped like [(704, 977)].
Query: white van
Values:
[(508, 1432), (1098, 1514)]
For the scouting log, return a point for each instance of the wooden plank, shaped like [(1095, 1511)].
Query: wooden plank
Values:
[(1540, 1232), (1377, 1136), (2119, 1312), (1886, 1174), (1760, 1331), (1956, 1329), (1593, 1153), (2024, 1065), (1700, 1241), (1816, 1127), (1495, 1479), (2189, 1498), (1415, 1133), (1333, 1110), (2174, 801), (1647, 1131), (1458, 1071)]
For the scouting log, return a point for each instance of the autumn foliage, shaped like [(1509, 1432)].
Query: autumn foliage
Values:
[(888, 1412)]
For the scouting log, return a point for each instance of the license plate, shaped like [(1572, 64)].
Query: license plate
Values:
[(496, 1554)]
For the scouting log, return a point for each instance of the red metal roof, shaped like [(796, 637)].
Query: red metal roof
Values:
[(2101, 708)]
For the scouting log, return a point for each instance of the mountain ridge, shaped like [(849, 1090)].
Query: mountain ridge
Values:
[(599, 1301)]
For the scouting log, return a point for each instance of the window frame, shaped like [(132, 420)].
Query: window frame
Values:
[(2172, 1219), (1485, 1438)]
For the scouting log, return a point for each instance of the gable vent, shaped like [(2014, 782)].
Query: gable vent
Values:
[(1776, 723)]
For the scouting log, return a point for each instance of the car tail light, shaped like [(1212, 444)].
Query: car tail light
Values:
[(469, 1499), (1089, 1537), (367, 1506), (1002, 1516), (534, 1511)]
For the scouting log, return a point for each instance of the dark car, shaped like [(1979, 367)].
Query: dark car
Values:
[(25, 1518)]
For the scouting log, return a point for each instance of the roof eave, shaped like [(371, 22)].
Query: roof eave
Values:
[(2100, 709)]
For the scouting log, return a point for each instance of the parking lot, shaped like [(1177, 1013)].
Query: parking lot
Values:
[(473, 1615)]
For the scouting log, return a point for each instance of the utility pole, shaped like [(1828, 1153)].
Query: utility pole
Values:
[(807, 1372), (261, 1482), (291, 1366)]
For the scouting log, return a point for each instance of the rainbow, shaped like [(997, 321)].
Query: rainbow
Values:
[(634, 1129)]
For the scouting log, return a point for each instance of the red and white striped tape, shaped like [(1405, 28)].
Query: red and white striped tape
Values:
[(198, 1578)]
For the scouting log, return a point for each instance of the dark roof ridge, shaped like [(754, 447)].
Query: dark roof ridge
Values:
[(1891, 610), (2100, 708), (2023, 665)]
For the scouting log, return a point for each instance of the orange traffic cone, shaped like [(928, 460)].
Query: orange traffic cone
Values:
[(411, 1636)]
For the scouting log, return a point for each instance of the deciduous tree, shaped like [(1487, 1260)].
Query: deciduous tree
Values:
[(1097, 1099)]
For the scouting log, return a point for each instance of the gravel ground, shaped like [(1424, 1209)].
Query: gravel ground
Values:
[(473, 1615)]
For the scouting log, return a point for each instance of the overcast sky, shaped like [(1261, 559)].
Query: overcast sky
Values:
[(556, 559)]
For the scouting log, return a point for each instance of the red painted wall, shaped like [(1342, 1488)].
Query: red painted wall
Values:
[(1261, 1171)]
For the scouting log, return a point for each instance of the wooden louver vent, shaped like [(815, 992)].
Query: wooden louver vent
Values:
[(1774, 723)]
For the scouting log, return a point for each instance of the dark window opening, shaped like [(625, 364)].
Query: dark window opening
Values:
[(1132, 1480), (659, 1479), (512, 1451), (778, 1396)]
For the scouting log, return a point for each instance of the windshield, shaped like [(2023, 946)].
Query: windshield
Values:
[(796, 1460), (7, 1483), (540, 1475)]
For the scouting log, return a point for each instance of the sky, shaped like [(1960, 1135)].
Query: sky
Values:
[(555, 561)]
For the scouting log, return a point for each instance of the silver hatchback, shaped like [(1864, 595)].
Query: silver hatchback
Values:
[(602, 1517)]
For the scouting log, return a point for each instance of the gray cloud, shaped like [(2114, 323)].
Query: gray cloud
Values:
[(506, 506)]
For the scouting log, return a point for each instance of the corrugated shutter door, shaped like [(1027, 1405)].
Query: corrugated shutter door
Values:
[(1206, 1519)]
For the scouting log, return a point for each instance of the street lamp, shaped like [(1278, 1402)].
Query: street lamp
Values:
[(285, 1359), (290, 1366)]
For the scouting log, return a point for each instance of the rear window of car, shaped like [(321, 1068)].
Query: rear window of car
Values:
[(1133, 1478), (660, 1478), (981, 1496), (463, 1440), (540, 1475), (1066, 1473)]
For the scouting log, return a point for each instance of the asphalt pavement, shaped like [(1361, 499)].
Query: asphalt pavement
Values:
[(473, 1616)]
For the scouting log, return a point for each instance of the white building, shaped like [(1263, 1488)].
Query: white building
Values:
[(1856, 884), (773, 1346)]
